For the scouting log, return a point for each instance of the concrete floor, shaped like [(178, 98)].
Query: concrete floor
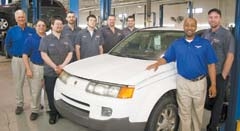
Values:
[(11, 122)]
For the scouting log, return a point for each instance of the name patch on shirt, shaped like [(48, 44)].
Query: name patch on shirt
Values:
[(65, 43), (198, 46)]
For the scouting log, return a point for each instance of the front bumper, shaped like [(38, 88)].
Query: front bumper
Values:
[(82, 117)]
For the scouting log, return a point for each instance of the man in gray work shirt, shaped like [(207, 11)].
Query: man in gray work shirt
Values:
[(71, 30), (89, 41), (111, 34), (130, 26), (56, 51), (224, 46)]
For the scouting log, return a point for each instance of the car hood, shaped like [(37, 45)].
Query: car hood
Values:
[(114, 69)]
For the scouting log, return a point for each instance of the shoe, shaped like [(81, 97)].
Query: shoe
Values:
[(18, 110), (33, 116), (53, 119), (41, 107), (212, 128)]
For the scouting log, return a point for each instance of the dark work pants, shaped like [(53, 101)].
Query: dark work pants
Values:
[(216, 104), (49, 85)]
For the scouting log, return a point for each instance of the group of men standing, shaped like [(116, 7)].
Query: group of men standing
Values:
[(42, 57)]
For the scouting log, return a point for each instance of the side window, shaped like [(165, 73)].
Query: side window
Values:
[(169, 38)]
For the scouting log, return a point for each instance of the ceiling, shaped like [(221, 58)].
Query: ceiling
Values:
[(86, 5)]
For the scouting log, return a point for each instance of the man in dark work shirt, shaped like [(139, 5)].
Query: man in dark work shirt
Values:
[(111, 34)]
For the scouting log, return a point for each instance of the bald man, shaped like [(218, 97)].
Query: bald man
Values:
[(195, 59), (14, 42)]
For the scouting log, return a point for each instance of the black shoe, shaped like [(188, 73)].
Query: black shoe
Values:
[(211, 128), (18, 110), (33, 116), (41, 106), (53, 119)]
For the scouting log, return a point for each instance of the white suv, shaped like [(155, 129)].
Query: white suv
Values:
[(115, 92)]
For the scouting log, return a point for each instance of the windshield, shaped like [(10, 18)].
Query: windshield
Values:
[(147, 45)]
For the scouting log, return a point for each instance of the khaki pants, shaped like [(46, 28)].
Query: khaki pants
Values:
[(191, 98), (36, 84), (18, 71)]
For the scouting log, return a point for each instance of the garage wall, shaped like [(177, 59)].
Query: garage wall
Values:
[(169, 11)]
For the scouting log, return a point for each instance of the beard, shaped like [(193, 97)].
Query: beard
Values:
[(214, 24)]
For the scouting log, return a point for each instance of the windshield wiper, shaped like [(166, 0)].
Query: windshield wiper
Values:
[(118, 54)]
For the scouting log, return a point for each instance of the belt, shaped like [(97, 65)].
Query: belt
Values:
[(198, 78), (38, 64), (18, 56)]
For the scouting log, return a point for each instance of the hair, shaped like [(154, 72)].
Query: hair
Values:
[(19, 11), (42, 20), (111, 16), (54, 18), (91, 16), (131, 17), (190, 18), (215, 10), (70, 12)]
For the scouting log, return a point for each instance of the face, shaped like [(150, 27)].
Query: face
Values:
[(111, 21), (20, 18), (214, 19), (41, 27), (91, 22), (71, 19), (130, 22), (190, 26), (57, 26)]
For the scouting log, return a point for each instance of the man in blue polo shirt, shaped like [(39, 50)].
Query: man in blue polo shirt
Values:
[(34, 67), (195, 58), (14, 42)]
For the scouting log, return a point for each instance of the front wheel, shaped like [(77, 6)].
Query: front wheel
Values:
[(164, 116)]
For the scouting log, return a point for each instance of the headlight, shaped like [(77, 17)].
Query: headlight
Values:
[(64, 77), (123, 92)]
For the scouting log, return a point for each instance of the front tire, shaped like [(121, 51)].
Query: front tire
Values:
[(164, 116)]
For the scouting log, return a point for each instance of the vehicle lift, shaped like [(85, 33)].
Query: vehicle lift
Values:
[(233, 120)]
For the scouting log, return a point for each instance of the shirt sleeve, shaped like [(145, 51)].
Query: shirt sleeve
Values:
[(27, 48), (77, 40), (211, 55), (43, 45), (8, 40), (71, 48), (170, 54), (231, 43), (101, 39)]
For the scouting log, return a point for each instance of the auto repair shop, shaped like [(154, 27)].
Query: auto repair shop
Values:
[(109, 111)]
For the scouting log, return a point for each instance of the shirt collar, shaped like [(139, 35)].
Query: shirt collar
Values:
[(217, 31)]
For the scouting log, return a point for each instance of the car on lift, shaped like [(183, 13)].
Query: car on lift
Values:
[(114, 91), (48, 8)]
